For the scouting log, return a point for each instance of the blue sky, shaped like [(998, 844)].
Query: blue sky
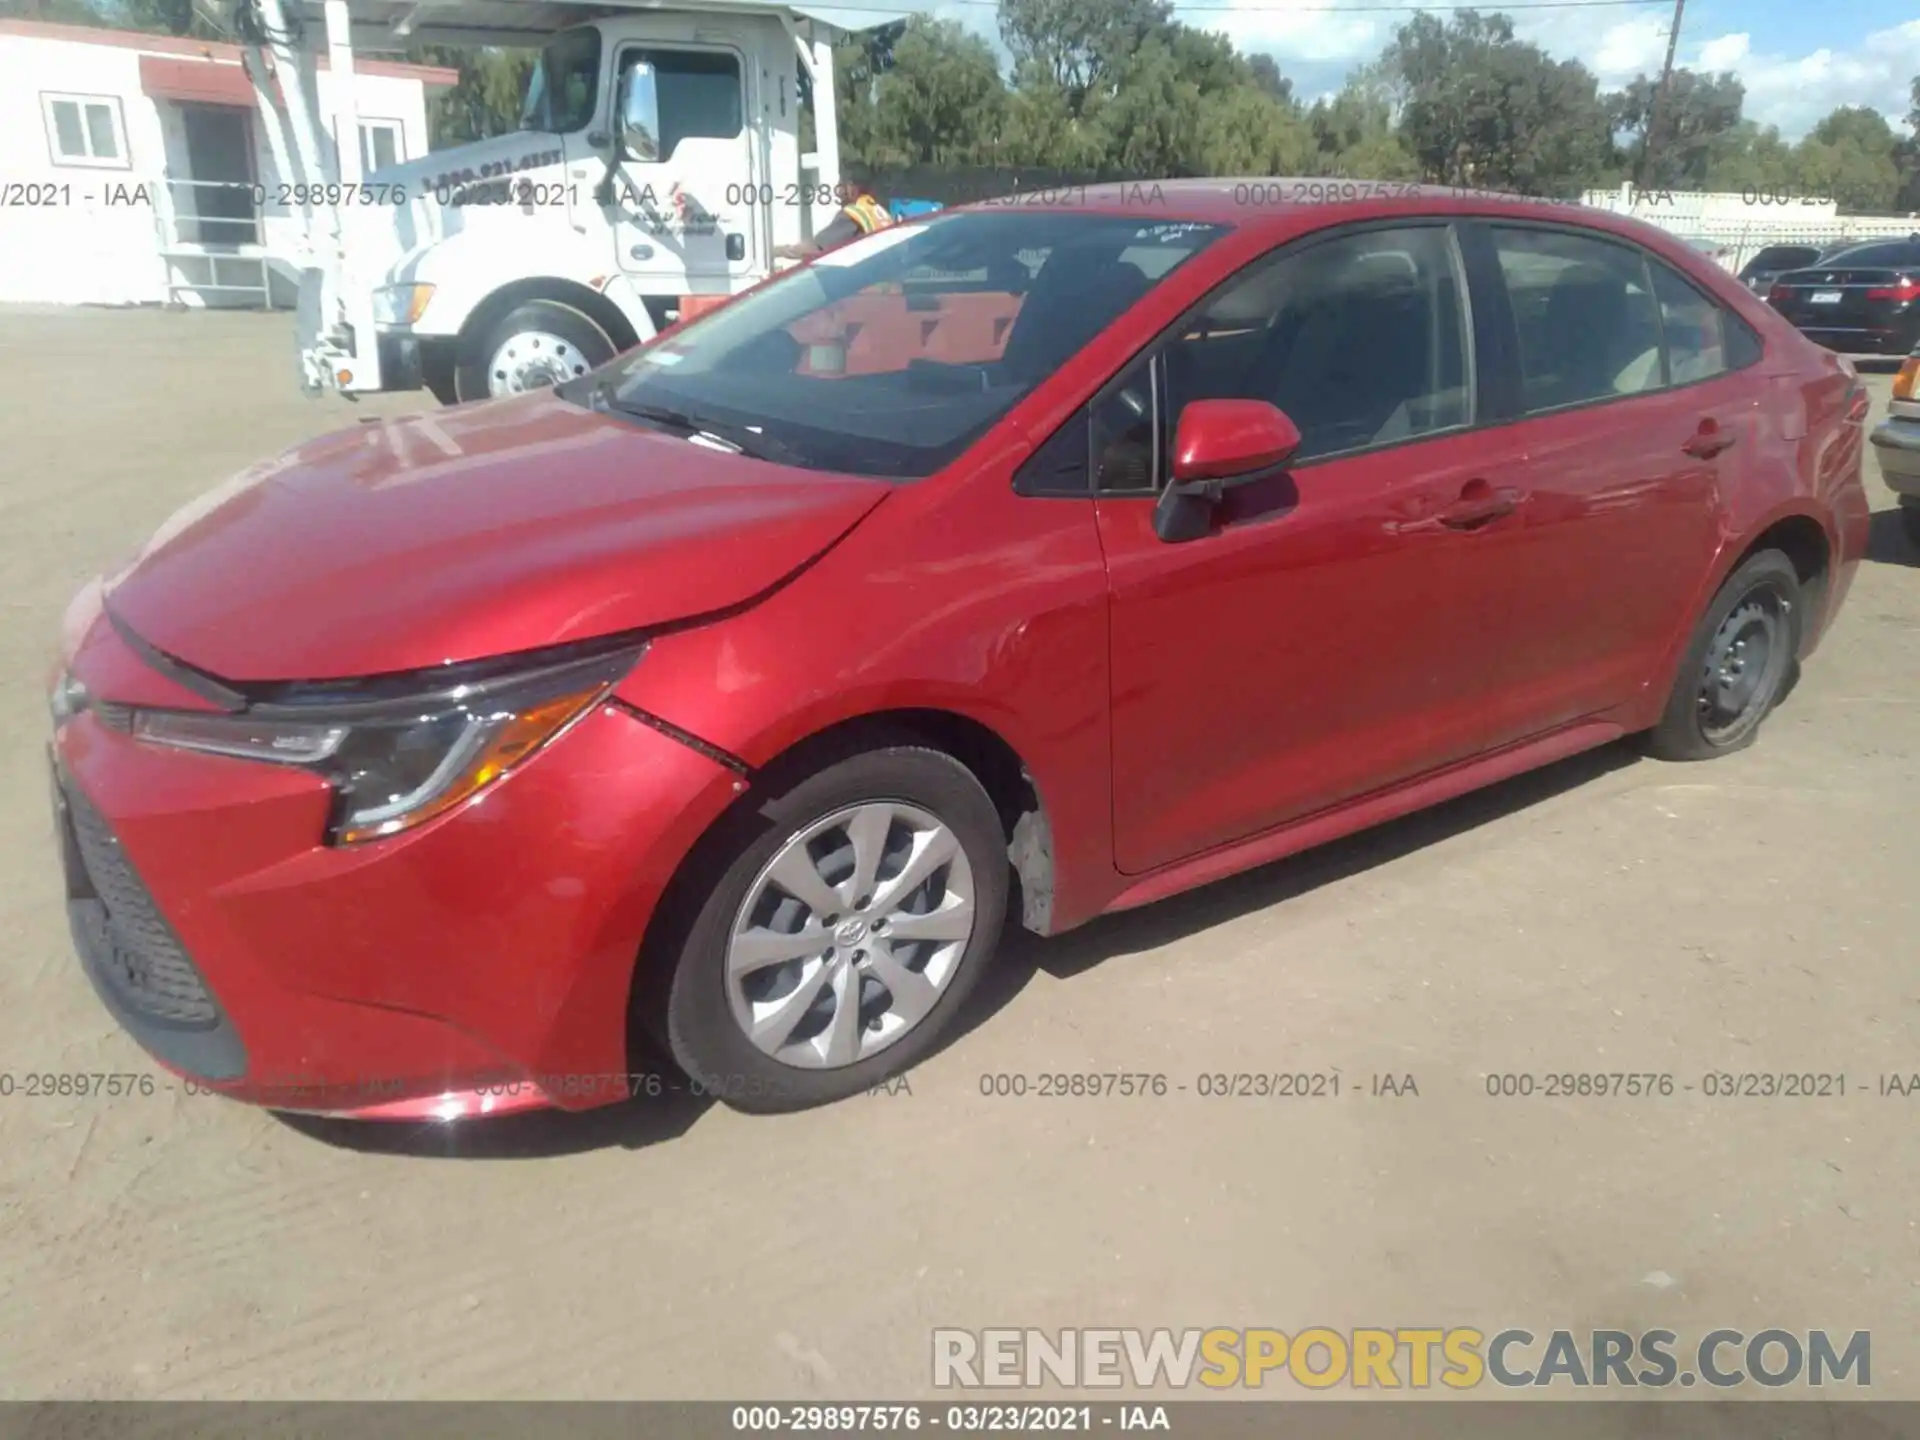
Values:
[(1797, 58)]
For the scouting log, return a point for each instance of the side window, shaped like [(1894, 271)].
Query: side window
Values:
[(1584, 308), (1694, 326), (675, 95), (85, 130), (1359, 339), (1125, 443)]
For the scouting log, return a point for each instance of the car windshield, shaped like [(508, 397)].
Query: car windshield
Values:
[(890, 355)]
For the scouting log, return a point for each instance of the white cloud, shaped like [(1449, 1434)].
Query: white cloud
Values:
[(1795, 93), (1309, 36)]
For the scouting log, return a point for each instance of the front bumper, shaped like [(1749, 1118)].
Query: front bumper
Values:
[(480, 964), (1896, 442)]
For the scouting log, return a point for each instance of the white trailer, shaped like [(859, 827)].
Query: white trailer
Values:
[(658, 162)]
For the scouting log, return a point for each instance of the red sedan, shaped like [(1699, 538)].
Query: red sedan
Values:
[(1043, 559)]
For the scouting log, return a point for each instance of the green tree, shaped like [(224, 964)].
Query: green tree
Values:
[(1248, 131), (65, 12), (1850, 155), (1909, 157), (1080, 45), (1671, 142), (940, 101), (1485, 109), (1749, 158), (1266, 74), (1041, 128), (484, 101), (1354, 133)]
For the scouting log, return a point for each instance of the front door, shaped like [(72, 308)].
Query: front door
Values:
[(1341, 627), (219, 145), (684, 201)]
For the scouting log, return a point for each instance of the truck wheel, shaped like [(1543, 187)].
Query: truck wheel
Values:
[(535, 345)]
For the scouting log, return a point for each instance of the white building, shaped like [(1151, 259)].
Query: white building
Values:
[(133, 169)]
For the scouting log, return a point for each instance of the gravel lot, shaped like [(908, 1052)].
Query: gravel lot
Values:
[(1755, 914)]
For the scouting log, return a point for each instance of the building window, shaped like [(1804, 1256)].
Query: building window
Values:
[(382, 145), (85, 130)]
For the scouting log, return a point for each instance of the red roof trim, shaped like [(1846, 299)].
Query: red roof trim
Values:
[(209, 51)]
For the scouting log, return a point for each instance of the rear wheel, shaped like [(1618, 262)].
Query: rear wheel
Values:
[(534, 346), (1737, 665), (1910, 518), (853, 916)]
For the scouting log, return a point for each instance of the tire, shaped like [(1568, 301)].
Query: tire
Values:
[(556, 342), (1708, 714), (1910, 520), (707, 1011), (438, 372)]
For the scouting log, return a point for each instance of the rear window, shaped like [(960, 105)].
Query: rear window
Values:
[(892, 354), (1784, 257), (1881, 255)]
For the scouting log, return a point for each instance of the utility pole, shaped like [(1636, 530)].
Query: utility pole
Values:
[(1658, 109)]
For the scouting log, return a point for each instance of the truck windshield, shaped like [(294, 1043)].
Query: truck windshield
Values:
[(564, 84), (891, 355)]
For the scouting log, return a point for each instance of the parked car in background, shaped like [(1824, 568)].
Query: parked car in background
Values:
[(1861, 300), (1759, 273), (735, 698), (1896, 441)]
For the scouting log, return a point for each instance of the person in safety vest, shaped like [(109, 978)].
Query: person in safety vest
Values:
[(862, 215)]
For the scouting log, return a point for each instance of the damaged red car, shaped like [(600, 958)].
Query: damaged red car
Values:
[(1018, 565)]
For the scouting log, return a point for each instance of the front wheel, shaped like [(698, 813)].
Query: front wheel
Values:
[(1738, 663), (842, 938), (534, 346)]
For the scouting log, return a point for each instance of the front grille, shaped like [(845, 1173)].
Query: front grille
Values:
[(123, 931)]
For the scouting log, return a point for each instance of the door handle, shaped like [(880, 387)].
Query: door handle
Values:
[(1708, 441), (1480, 506)]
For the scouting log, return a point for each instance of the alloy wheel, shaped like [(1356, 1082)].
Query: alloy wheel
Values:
[(849, 935)]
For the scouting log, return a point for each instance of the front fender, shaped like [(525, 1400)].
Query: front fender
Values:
[(990, 608)]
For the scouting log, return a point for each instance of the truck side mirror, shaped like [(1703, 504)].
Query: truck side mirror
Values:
[(637, 113)]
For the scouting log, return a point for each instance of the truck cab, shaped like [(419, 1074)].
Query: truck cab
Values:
[(657, 164)]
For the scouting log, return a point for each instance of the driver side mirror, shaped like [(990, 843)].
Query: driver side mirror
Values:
[(1219, 444), (636, 107)]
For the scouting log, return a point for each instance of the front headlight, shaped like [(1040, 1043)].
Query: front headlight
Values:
[(400, 304), (399, 760)]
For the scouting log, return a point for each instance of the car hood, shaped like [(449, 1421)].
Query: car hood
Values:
[(470, 533)]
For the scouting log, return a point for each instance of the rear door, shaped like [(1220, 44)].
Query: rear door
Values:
[(1634, 409), (684, 201)]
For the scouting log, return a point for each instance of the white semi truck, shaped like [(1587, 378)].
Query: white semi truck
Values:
[(657, 167)]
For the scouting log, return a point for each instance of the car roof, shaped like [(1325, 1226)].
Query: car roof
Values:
[(1275, 202)]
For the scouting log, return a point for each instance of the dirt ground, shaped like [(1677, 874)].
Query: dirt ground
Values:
[(1755, 914)]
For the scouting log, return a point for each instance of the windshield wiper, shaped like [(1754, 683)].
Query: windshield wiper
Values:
[(737, 438)]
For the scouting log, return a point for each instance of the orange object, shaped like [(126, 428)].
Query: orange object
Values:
[(692, 307), (1906, 385)]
